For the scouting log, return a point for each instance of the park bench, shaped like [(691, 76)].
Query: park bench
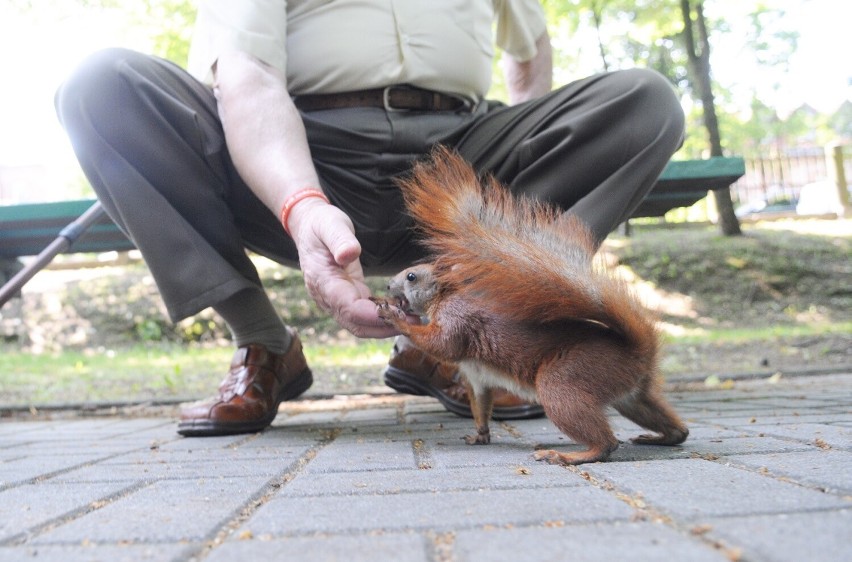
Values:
[(685, 182), (46, 229)]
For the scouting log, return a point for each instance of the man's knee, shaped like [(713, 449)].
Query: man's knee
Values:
[(96, 86), (653, 105)]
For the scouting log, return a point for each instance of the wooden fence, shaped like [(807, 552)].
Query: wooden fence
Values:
[(780, 178)]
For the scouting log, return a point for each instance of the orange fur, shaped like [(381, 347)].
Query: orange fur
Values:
[(514, 296)]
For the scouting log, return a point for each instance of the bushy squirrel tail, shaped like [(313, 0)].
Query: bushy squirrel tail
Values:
[(525, 259)]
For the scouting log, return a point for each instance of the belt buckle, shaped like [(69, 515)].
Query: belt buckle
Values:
[(386, 100), (466, 104)]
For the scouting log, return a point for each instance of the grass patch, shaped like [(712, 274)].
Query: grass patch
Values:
[(165, 372), (364, 353), (758, 334)]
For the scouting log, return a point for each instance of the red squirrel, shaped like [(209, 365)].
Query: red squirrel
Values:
[(512, 295)]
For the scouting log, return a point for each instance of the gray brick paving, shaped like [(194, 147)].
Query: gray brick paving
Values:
[(443, 511), (634, 541), (828, 469), (408, 547), (164, 511), (693, 489), (765, 475), (784, 537), (90, 552)]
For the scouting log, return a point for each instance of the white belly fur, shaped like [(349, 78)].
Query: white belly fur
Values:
[(481, 377)]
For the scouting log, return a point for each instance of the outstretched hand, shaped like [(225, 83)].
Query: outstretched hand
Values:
[(329, 258)]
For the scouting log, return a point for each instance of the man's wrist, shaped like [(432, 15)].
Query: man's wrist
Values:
[(296, 198)]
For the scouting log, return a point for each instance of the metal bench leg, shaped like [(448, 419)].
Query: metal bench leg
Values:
[(66, 237)]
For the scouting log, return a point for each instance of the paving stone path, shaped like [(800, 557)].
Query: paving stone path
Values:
[(765, 475)]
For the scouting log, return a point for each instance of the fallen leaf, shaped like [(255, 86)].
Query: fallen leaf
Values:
[(701, 529)]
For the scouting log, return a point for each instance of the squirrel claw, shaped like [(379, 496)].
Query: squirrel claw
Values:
[(388, 312), (478, 439)]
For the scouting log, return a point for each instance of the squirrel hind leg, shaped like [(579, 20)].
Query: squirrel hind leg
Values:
[(647, 408), (481, 405), (579, 415)]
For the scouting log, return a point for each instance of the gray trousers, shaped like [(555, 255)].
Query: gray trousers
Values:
[(149, 139)]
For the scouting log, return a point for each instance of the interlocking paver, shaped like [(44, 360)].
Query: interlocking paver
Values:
[(693, 489), (788, 537), (634, 541), (35, 505), (408, 547), (170, 511), (765, 475), (394, 481), (439, 511), (827, 469)]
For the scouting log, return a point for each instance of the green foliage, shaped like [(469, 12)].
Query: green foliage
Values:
[(595, 35), (170, 23), (148, 330), (770, 42), (841, 121)]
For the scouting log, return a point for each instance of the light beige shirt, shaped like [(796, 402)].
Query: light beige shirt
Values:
[(327, 46)]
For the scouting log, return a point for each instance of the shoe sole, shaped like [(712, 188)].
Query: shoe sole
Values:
[(406, 383), (211, 428)]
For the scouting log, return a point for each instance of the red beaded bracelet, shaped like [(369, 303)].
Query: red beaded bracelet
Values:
[(294, 199)]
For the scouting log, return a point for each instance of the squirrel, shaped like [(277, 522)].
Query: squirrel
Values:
[(514, 297)]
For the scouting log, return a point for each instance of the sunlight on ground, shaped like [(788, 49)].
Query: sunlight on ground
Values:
[(659, 300), (819, 227), (679, 305)]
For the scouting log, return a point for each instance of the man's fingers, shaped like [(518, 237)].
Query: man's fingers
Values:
[(339, 237), (329, 255), (346, 252), (361, 319)]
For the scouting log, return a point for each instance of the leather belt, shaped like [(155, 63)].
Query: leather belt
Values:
[(392, 98)]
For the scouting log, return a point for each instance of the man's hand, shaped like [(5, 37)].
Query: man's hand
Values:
[(329, 257), (533, 78), (267, 142)]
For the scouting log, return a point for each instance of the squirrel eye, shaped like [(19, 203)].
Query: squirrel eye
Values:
[(411, 276)]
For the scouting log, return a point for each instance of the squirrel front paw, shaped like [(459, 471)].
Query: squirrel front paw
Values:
[(388, 312)]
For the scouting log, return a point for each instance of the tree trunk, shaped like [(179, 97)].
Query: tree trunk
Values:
[(698, 52), (596, 14)]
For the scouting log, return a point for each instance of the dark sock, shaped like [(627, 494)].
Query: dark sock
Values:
[(252, 319)]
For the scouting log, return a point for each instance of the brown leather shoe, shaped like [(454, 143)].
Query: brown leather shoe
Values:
[(411, 371), (257, 382)]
